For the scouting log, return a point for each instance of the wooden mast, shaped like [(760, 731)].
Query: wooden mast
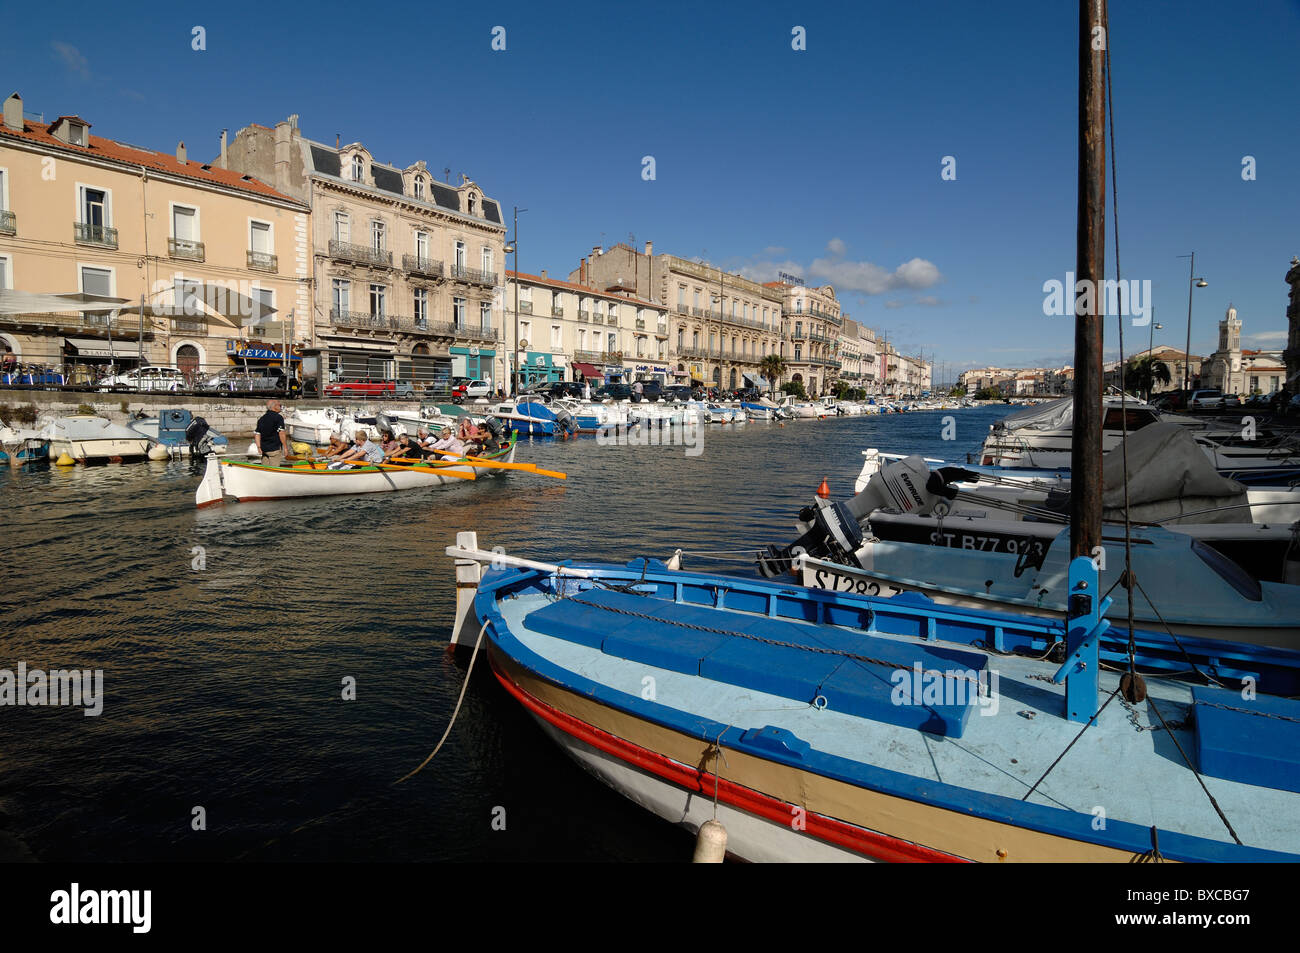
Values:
[(1085, 461)]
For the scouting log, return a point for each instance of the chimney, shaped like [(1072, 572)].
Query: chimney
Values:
[(649, 249), (582, 272), (180, 152), (293, 121), (224, 165), (14, 113), (595, 252), (543, 272), (283, 152)]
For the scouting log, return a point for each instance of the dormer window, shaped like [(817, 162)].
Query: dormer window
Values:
[(356, 168), (419, 187), (76, 134), (471, 204)]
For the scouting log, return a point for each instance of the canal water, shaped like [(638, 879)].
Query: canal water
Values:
[(227, 637)]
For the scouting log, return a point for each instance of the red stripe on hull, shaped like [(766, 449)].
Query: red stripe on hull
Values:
[(847, 836)]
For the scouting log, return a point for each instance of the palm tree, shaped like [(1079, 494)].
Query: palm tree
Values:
[(1144, 373), (773, 366)]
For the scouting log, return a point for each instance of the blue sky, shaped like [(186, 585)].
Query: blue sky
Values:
[(825, 162)]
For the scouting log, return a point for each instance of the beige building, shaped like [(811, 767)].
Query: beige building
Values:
[(207, 250), (407, 268), (812, 322), (570, 332), (721, 325)]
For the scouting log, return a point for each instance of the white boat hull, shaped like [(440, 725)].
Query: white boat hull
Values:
[(246, 482)]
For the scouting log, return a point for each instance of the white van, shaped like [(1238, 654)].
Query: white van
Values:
[(146, 378)]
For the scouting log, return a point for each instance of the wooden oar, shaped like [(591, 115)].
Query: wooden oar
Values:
[(493, 464), (471, 475)]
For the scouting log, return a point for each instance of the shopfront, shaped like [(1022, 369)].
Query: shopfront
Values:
[(473, 363), (588, 372), (541, 368), (642, 371), (359, 360)]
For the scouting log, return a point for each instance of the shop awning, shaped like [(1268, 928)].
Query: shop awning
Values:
[(91, 347), (31, 302), (588, 370)]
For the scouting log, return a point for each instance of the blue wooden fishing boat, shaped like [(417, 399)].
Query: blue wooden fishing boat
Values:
[(831, 726)]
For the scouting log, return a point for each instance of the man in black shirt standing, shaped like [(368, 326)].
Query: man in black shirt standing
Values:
[(271, 436)]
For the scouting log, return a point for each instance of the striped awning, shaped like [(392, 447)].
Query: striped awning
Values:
[(91, 347)]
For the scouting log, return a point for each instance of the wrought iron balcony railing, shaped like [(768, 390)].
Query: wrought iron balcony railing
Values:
[(185, 248), (85, 234), (474, 275), (419, 265), (8, 222), (363, 254), (525, 307), (584, 316), (557, 311), (598, 357), (261, 261), (362, 319)]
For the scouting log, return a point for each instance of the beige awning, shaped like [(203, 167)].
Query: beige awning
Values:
[(212, 301)]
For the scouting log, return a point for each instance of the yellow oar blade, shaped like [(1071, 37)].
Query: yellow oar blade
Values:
[(501, 465)]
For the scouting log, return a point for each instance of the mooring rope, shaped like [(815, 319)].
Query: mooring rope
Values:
[(463, 688)]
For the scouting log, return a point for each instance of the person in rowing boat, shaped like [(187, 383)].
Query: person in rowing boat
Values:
[(339, 445), (405, 453), (387, 442), (271, 435), (449, 447), (365, 451)]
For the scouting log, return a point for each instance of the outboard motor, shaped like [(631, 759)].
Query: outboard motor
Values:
[(196, 435), (497, 429), (835, 531), (565, 421)]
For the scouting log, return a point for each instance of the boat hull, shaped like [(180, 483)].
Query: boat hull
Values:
[(247, 482)]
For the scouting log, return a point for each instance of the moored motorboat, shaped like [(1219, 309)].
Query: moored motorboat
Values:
[(87, 438)]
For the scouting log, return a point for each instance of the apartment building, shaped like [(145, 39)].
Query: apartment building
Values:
[(721, 325), (407, 280), (570, 331), (172, 259)]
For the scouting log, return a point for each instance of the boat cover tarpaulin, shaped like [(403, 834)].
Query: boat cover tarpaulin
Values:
[(1169, 475), (1053, 415)]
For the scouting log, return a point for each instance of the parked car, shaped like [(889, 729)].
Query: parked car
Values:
[(469, 390), (262, 380), (651, 390), (1170, 400), (612, 392), (677, 392), (369, 387), (1231, 400), (1206, 399), (145, 378), (559, 390)]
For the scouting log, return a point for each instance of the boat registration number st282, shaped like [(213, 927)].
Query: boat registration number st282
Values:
[(858, 585)]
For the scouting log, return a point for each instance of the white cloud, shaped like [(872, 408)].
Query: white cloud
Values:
[(871, 279), (895, 304), (72, 58), (836, 247), (768, 270), (1267, 337), (930, 301)]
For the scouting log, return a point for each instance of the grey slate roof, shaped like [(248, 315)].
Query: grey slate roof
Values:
[(491, 212)]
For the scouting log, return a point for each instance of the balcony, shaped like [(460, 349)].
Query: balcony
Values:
[(475, 333), (420, 265), (612, 319), (362, 319), (640, 324), (8, 222), (361, 254), (186, 249), (557, 311), (525, 307), (661, 331), (474, 276), (584, 316), (85, 234), (597, 357), (682, 308), (697, 313), (261, 261), (125, 327), (189, 326)]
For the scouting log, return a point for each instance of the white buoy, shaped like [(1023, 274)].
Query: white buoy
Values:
[(675, 561), (159, 452), (253, 451), (710, 843)]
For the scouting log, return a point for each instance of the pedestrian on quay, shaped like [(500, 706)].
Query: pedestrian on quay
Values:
[(637, 390), (586, 388), (271, 435)]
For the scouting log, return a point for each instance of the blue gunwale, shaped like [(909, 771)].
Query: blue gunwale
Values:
[(1118, 834)]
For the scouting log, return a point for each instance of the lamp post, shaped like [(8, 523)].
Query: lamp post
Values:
[(1151, 338), (1187, 355), (513, 247)]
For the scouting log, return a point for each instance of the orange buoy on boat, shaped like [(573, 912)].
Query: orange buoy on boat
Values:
[(824, 491)]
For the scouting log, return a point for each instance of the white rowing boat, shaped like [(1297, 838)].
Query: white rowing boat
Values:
[(244, 481)]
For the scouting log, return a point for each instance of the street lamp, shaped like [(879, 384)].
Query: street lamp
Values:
[(1187, 355), (513, 247)]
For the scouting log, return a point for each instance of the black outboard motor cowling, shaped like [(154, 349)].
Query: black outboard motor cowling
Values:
[(196, 435), (835, 536)]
